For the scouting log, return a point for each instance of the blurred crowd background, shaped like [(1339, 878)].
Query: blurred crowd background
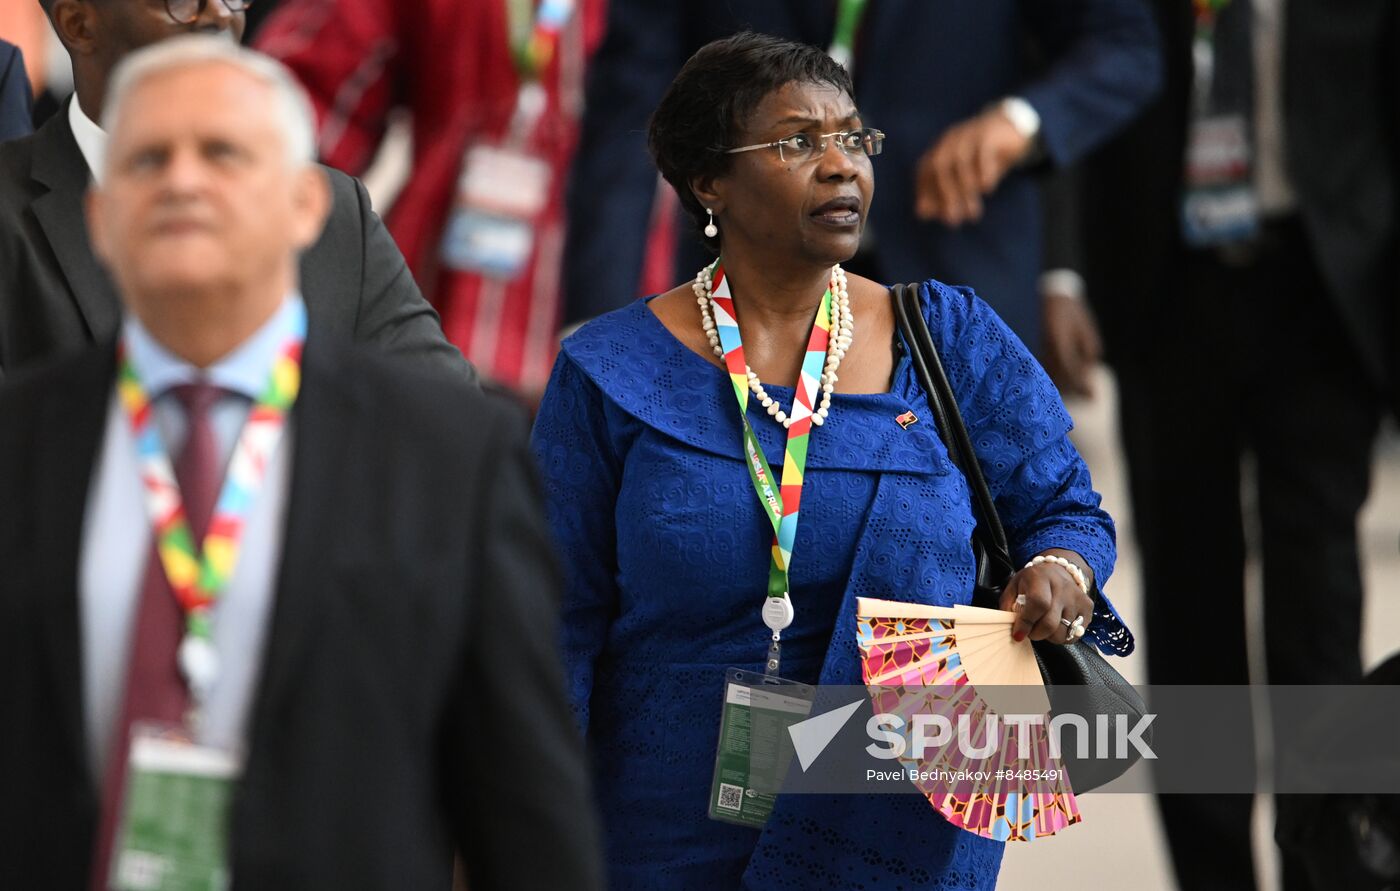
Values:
[(1187, 209)]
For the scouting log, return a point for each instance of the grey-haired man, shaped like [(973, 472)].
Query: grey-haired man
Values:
[(277, 610)]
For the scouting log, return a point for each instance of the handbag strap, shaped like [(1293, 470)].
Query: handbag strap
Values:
[(994, 566)]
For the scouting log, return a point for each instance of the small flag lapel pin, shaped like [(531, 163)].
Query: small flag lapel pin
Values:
[(907, 420)]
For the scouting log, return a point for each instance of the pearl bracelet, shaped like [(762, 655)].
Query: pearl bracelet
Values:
[(1061, 561)]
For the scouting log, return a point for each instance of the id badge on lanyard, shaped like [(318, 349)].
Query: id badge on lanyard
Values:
[(502, 190), (754, 748), (1219, 204), (504, 187), (173, 832)]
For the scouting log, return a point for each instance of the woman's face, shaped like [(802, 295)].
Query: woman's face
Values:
[(809, 209)]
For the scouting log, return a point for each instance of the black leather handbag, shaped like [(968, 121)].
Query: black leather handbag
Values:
[(1077, 671)]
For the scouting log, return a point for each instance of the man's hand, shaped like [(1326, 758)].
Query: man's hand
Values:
[(965, 164), (1070, 347)]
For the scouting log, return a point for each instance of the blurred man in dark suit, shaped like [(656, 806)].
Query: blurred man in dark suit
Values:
[(16, 100), (277, 609), (1240, 246), (55, 297)]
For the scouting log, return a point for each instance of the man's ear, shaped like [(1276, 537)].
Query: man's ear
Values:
[(311, 200), (77, 26)]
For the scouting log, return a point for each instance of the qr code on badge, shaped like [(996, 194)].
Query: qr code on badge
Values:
[(731, 798)]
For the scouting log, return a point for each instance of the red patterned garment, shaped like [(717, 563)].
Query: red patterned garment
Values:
[(449, 64)]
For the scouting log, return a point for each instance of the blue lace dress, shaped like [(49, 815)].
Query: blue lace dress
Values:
[(666, 555)]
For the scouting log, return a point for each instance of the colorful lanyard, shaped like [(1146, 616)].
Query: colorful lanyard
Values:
[(198, 578), (849, 14), (534, 34), (780, 506)]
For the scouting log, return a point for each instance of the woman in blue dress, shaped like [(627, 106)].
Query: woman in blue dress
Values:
[(668, 548)]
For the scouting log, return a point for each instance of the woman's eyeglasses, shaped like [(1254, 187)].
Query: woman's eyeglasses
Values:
[(805, 147), (186, 12)]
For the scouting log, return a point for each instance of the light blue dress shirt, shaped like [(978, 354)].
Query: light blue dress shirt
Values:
[(117, 534)]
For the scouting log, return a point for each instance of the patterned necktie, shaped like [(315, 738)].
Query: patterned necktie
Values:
[(154, 689)]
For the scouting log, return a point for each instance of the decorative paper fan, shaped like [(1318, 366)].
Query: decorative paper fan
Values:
[(961, 663)]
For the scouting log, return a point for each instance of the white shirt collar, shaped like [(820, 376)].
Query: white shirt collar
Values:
[(244, 370), (92, 141)]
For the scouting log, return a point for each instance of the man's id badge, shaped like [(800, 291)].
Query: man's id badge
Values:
[(1219, 205), (755, 749), (173, 831), (491, 228)]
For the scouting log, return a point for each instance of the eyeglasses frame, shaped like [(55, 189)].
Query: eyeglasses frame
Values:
[(822, 138), (233, 6)]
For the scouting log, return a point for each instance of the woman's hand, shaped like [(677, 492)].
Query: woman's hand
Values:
[(1051, 593)]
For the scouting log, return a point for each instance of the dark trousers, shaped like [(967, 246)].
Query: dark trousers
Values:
[(1255, 361)]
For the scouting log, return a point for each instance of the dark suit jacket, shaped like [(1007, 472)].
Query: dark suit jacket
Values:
[(921, 67), (411, 697), (1341, 98), (54, 297), (16, 98)]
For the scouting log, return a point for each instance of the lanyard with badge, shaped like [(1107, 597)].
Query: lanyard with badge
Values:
[(171, 833), (503, 186), (754, 747), (1219, 205)]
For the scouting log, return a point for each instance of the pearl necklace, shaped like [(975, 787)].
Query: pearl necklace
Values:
[(842, 324)]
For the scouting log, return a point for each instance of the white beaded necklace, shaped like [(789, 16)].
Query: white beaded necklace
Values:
[(842, 324)]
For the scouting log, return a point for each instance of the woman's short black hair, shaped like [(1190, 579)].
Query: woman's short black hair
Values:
[(712, 97)]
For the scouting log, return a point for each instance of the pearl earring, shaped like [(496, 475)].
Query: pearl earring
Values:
[(711, 230)]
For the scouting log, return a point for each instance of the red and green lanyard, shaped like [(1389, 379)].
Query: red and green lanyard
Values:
[(780, 505)]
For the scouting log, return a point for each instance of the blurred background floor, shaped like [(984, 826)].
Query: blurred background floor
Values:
[(1119, 844)]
